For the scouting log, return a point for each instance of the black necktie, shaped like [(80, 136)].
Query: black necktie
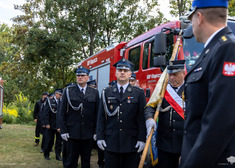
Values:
[(82, 91), (121, 91)]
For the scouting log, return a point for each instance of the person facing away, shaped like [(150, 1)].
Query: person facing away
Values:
[(171, 118), (209, 129), (78, 116), (121, 129)]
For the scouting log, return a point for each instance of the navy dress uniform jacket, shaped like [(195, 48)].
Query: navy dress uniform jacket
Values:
[(49, 115), (79, 124), (209, 136), (122, 131), (58, 114), (170, 127), (37, 109)]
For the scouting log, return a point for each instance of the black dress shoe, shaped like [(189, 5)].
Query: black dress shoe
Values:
[(59, 158), (47, 158)]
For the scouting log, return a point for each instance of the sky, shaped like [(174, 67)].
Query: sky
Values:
[(7, 10)]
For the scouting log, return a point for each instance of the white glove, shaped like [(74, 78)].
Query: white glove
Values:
[(94, 137), (101, 144), (65, 136), (150, 123), (140, 145)]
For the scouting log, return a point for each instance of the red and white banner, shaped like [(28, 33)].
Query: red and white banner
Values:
[(174, 100)]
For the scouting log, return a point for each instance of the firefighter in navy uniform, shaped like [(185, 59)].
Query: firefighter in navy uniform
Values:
[(209, 129), (36, 115), (50, 111), (121, 131), (171, 118), (100, 161), (78, 116), (43, 127), (132, 79)]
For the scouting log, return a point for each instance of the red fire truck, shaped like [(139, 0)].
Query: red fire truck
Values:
[(1, 101), (149, 52), (156, 44)]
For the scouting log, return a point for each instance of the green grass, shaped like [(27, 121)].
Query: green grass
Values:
[(17, 149)]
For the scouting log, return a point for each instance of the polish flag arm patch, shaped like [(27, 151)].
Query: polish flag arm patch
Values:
[(229, 69)]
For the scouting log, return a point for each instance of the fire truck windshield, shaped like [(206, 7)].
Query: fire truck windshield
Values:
[(192, 50)]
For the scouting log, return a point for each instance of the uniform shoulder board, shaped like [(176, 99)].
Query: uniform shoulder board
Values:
[(224, 39), (70, 86), (92, 87), (138, 87), (107, 87)]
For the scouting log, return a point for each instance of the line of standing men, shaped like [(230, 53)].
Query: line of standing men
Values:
[(120, 121), (121, 130), (50, 111), (45, 113), (209, 134)]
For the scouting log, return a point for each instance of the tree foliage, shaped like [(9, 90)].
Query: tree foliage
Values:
[(179, 7), (231, 8), (53, 36)]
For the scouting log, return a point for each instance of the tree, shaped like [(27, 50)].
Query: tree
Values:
[(231, 8), (53, 36), (122, 20), (179, 7)]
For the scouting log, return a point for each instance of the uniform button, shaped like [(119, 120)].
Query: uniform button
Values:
[(121, 104), (185, 85), (173, 111), (120, 120), (193, 78), (185, 132), (173, 120), (120, 129), (120, 112), (173, 129), (82, 123)]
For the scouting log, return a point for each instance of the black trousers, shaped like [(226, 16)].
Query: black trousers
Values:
[(121, 160), (43, 132), (64, 153), (50, 136), (100, 157), (76, 148), (37, 131), (168, 160)]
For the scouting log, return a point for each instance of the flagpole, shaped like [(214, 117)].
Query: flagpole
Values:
[(144, 154)]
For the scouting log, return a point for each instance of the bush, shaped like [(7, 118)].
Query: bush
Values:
[(18, 112), (9, 115)]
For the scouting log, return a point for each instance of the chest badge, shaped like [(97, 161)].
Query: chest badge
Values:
[(229, 69), (111, 107), (128, 100)]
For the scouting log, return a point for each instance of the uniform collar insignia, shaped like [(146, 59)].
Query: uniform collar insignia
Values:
[(224, 38), (129, 89), (114, 89)]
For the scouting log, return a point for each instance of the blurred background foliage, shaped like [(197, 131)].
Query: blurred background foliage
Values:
[(41, 50)]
